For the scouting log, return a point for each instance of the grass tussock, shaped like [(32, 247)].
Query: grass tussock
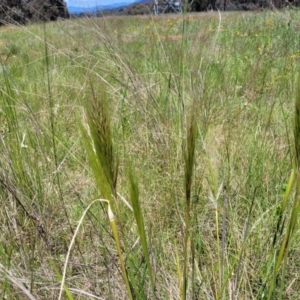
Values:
[(151, 158)]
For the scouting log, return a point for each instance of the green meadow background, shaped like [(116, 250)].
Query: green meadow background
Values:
[(151, 157)]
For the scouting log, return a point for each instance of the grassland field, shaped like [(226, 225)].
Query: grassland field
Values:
[(185, 127)]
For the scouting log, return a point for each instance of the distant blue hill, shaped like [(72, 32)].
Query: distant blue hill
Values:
[(77, 10)]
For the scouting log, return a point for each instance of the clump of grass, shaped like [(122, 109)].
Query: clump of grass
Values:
[(176, 237), (288, 235), (189, 159), (99, 146), (138, 215)]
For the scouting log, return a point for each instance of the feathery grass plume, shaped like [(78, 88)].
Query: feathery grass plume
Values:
[(138, 215), (189, 159), (98, 142)]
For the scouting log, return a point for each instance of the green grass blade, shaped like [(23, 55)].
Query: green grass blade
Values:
[(138, 214), (189, 159), (121, 259), (60, 277), (284, 248)]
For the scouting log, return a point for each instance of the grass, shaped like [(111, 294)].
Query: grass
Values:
[(185, 128)]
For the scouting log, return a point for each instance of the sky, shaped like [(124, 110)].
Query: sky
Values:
[(92, 3)]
